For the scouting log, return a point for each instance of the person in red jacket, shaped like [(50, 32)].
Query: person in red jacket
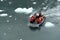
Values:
[(36, 18), (32, 19), (38, 21)]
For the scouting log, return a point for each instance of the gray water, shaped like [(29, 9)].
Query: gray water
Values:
[(18, 29)]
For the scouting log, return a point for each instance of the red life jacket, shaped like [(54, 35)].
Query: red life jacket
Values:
[(32, 18), (38, 20)]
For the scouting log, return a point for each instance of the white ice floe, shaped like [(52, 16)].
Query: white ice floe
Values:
[(7, 21), (58, 0), (10, 2), (1, 0), (43, 3), (20, 39), (49, 24), (44, 8), (34, 2), (24, 10), (10, 16), (3, 15), (1, 10)]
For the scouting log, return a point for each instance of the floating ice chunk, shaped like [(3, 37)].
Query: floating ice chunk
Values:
[(3, 15), (24, 10), (49, 24), (58, 0), (10, 2), (43, 3), (45, 7), (1, 0), (1, 10), (10, 16), (20, 39), (34, 2), (7, 20)]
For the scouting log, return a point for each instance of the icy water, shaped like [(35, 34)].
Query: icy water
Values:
[(13, 25)]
